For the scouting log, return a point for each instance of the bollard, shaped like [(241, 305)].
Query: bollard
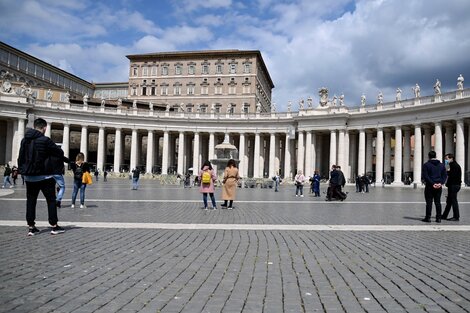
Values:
[(415, 185)]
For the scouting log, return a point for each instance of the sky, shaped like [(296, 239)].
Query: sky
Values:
[(350, 47)]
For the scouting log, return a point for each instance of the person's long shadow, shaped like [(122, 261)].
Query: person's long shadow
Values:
[(66, 228), (412, 218)]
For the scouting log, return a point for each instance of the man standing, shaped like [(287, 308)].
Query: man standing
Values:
[(434, 175), (37, 156), (135, 178), (454, 180), (6, 176)]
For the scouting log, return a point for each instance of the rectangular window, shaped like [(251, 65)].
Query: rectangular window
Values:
[(39, 71), (31, 68), (13, 60), (203, 109), (23, 64), (232, 90), (205, 69), (4, 56), (178, 70), (164, 90), (218, 90), (190, 90), (189, 109), (247, 68), (53, 78), (154, 70), (218, 69), (165, 70), (144, 70), (177, 90), (153, 91), (246, 89), (134, 91), (191, 70), (233, 68), (217, 109), (134, 71), (204, 90), (144, 91)]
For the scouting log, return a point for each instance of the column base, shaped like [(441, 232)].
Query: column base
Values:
[(398, 183)]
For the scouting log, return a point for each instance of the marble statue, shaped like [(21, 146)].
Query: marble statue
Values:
[(341, 99), (213, 108), (289, 106), (134, 104), (258, 107), (29, 93), (323, 92), (380, 98), (398, 96), (417, 91), (437, 87), (334, 100), (67, 97), (119, 102), (309, 103), (229, 108), (150, 106), (181, 107), (198, 107), (85, 99), (167, 109), (363, 100), (301, 104), (460, 81), (49, 94), (6, 85), (103, 102)]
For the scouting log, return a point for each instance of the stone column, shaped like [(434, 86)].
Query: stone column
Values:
[(256, 158), (388, 151), (308, 153), (18, 137), (211, 146), (314, 152), (150, 152), (100, 158), (406, 149), (369, 151), (242, 166), (134, 142), (361, 156), (196, 144), (180, 167), (379, 158), (165, 151), (300, 152), (48, 130), (417, 155), (117, 150), (347, 168), (272, 154), (438, 140), (332, 147), (66, 140), (427, 142), (84, 142), (460, 147), (353, 155), (449, 138), (398, 156), (341, 150), (287, 158)]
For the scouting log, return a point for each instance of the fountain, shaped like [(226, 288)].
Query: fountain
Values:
[(224, 152)]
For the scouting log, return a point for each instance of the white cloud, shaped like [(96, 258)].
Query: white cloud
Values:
[(191, 5)]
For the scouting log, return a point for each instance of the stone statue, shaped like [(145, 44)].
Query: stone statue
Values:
[(363, 100), (213, 108), (85, 99), (6, 85), (417, 91), (323, 92), (103, 102), (398, 97), (380, 98), (229, 108), (119, 102), (289, 106), (301, 104), (167, 109), (49, 94), (437, 87), (181, 107), (258, 107), (22, 90), (341, 100), (134, 104), (460, 80), (29, 93), (334, 100), (67, 97), (309, 103), (150, 106), (198, 107)]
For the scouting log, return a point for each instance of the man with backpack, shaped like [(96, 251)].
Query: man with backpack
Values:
[(36, 162), (135, 178), (6, 176)]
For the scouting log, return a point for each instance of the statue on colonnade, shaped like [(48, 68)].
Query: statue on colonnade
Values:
[(437, 87), (323, 92), (363, 100), (460, 81), (417, 90), (398, 96)]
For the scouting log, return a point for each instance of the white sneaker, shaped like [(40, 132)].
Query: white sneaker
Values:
[(301, 196), (296, 195), (82, 206), (229, 208), (73, 206)]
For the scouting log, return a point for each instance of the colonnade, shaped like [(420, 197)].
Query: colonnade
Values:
[(393, 154)]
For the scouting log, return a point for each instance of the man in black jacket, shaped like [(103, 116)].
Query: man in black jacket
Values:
[(434, 175), (454, 180), (37, 162)]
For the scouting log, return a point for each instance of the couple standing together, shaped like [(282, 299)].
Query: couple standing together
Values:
[(207, 177)]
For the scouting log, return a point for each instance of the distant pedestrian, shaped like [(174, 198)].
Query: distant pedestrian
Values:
[(58, 168), (341, 179), (105, 175), (79, 167), (230, 182), (316, 184), (365, 183), (453, 183), (135, 178), (36, 161), (207, 177), (97, 174), (299, 181), (434, 175), (6, 177), (277, 181), (14, 174)]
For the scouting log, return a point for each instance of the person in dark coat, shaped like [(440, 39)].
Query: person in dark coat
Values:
[(36, 163), (453, 183), (434, 175)]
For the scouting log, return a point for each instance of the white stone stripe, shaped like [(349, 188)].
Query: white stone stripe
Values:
[(88, 200), (180, 226)]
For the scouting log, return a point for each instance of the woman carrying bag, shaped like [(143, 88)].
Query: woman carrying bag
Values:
[(81, 178)]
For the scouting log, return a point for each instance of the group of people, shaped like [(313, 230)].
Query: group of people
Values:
[(207, 178), (10, 172), (362, 183)]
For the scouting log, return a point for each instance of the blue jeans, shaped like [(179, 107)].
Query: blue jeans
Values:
[(135, 183), (6, 179), (59, 179), (76, 186), (299, 189), (204, 199)]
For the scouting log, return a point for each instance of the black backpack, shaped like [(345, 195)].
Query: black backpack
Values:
[(78, 173)]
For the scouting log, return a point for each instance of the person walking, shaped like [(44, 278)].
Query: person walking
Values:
[(36, 161), (316, 184), (6, 176), (135, 178), (14, 174), (453, 183), (207, 178), (105, 175), (299, 180), (97, 174), (434, 175), (79, 167), (58, 168), (334, 183), (229, 188), (277, 181)]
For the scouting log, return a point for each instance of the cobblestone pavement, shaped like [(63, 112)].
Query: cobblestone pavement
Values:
[(92, 269)]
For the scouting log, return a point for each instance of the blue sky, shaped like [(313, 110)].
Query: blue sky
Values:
[(350, 47)]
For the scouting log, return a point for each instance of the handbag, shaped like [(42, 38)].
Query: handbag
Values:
[(86, 178)]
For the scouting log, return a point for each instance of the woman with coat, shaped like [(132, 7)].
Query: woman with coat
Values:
[(207, 177), (79, 167), (229, 188)]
